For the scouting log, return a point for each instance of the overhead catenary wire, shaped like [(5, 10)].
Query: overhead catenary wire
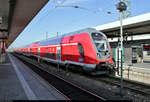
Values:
[(80, 18), (62, 5), (49, 12), (45, 15)]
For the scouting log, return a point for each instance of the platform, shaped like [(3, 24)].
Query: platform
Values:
[(137, 71), (18, 82), (144, 65)]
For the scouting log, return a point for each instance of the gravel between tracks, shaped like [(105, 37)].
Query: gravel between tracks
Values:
[(99, 88)]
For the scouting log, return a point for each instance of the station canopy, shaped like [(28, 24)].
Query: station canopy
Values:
[(137, 25), (15, 15)]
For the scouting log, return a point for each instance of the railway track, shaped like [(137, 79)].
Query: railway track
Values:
[(137, 87), (70, 90)]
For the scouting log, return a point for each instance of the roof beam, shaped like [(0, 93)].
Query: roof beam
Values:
[(21, 13)]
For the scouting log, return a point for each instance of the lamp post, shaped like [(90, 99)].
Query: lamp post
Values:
[(121, 6)]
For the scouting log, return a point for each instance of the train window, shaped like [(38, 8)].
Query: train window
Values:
[(100, 42), (97, 36), (81, 50), (47, 55), (101, 45)]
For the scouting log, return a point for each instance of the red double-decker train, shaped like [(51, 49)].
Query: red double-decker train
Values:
[(88, 50)]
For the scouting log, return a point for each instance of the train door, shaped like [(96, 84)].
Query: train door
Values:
[(39, 51), (59, 53)]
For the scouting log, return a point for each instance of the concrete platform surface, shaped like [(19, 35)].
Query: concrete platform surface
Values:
[(144, 65), (18, 82), (137, 71)]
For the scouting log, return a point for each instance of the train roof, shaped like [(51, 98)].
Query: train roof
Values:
[(87, 30), (26, 46), (51, 41), (57, 40)]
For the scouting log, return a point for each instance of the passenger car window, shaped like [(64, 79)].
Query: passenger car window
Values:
[(81, 50)]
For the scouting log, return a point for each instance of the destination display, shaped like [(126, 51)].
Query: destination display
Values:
[(97, 36)]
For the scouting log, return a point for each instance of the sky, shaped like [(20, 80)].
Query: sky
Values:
[(58, 16)]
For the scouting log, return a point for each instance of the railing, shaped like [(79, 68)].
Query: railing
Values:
[(136, 73)]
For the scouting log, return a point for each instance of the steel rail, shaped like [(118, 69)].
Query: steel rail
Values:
[(134, 86), (72, 91)]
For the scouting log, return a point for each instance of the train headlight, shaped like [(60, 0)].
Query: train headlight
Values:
[(109, 55), (99, 56)]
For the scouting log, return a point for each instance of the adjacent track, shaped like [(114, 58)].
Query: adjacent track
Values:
[(70, 90), (134, 86)]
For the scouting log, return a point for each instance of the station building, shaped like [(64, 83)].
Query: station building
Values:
[(136, 37)]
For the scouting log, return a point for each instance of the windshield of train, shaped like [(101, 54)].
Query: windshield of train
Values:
[(100, 42)]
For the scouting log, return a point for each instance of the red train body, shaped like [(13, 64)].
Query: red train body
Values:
[(86, 48)]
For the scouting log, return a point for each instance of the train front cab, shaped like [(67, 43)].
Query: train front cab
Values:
[(103, 53), (89, 50)]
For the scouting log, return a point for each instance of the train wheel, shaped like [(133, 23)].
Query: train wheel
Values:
[(38, 60), (67, 68), (114, 62), (112, 73)]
